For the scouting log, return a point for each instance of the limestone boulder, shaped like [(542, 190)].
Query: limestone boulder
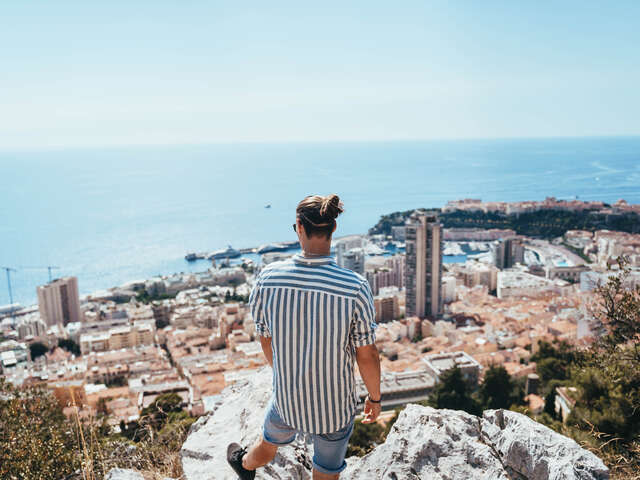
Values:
[(424, 443)]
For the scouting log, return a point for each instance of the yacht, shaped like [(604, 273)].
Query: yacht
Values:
[(272, 247), (228, 252)]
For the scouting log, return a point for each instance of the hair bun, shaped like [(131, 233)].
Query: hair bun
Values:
[(331, 206)]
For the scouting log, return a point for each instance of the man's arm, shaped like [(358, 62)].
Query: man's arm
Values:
[(266, 348), (369, 366)]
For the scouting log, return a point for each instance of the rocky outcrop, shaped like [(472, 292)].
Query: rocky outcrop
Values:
[(239, 419), (425, 443), (536, 452)]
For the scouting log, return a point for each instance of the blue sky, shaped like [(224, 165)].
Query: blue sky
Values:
[(77, 74)]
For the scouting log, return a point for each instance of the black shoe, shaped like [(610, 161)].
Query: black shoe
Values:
[(234, 456)]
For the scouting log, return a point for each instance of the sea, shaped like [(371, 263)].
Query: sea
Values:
[(112, 215)]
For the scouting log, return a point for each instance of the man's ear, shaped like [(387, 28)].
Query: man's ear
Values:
[(300, 228)]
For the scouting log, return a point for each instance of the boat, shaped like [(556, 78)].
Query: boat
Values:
[(272, 247), (292, 244), (190, 257), (228, 252), (267, 206)]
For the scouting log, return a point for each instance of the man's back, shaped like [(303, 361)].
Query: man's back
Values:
[(316, 314), (314, 319)]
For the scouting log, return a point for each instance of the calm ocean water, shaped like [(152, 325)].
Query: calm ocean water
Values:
[(113, 215)]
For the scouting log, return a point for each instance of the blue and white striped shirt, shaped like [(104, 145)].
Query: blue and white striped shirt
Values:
[(316, 314)]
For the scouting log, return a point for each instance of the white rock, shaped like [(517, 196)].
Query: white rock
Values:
[(536, 451), (123, 474), (425, 443), (239, 418)]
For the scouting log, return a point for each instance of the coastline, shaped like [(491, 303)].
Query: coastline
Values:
[(138, 217)]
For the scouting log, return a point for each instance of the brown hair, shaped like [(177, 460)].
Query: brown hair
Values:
[(318, 214)]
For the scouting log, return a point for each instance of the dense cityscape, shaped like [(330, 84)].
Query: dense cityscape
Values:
[(113, 353), (320, 241)]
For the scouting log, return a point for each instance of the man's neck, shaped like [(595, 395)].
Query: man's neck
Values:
[(316, 250), (309, 254)]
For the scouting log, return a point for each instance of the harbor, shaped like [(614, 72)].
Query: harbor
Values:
[(230, 252)]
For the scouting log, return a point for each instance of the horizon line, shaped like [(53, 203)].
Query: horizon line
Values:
[(51, 148)]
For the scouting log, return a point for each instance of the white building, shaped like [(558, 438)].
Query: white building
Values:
[(352, 259), (117, 337), (512, 283), (590, 280), (448, 289), (436, 364)]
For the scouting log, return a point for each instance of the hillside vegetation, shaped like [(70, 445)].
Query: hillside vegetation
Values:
[(541, 223)]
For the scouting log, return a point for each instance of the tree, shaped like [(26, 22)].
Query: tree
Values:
[(36, 440), (497, 389), (561, 350), (157, 413), (364, 438), (619, 314), (453, 391), (551, 368), (160, 323), (37, 349), (550, 403), (69, 345), (607, 377), (553, 360)]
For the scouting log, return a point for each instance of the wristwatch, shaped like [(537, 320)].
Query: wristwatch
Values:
[(372, 400)]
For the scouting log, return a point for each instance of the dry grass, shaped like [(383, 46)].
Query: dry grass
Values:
[(156, 456), (623, 459)]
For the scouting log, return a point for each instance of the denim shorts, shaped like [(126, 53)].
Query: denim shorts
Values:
[(329, 449)]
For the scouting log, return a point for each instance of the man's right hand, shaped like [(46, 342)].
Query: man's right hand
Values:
[(371, 411)]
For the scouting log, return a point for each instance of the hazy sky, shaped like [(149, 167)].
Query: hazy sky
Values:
[(88, 73)]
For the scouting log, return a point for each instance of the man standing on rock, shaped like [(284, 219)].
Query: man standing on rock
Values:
[(314, 319)]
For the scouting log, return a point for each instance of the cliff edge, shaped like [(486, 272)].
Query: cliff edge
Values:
[(424, 443)]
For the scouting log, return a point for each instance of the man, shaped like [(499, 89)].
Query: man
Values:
[(314, 319)]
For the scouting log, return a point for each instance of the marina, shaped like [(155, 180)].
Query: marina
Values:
[(230, 252)]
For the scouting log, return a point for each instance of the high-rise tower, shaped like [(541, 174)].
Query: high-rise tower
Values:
[(508, 252), (423, 265), (59, 301)]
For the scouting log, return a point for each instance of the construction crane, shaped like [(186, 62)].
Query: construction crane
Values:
[(9, 270), (48, 267)]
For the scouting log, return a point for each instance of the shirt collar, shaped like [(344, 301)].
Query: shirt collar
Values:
[(315, 260)]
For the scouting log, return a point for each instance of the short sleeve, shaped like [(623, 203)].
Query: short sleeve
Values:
[(257, 310), (363, 324)]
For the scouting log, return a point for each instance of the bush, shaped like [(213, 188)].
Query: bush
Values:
[(606, 417), (364, 438), (69, 345), (453, 391), (36, 440), (498, 390), (37, 349)]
